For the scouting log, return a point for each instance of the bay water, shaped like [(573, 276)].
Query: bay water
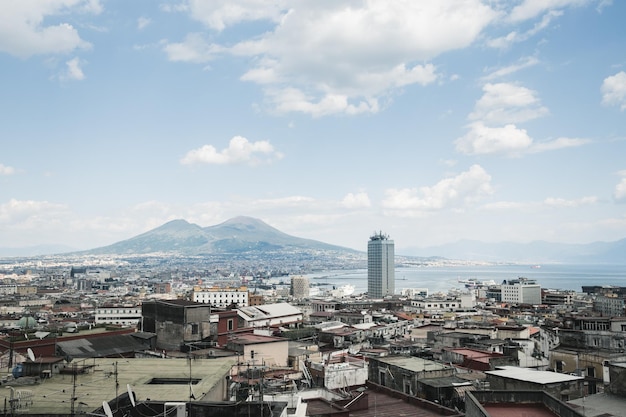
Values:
[(445, 278)]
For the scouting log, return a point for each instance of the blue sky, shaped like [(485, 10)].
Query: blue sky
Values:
[(432, 121)]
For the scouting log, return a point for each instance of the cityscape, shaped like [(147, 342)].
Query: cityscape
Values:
[(160, 334), (347, 208)]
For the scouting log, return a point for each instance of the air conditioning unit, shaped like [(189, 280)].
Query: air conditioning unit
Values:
[(180, 408)]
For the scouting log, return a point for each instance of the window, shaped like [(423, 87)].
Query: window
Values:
[(194, 328), (230, 324)]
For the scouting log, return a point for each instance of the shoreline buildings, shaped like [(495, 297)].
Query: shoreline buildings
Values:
[(381, 280)]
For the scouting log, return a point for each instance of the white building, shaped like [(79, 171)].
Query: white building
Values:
[(222, 297), (124, 316), (521, 291), (279, 314)]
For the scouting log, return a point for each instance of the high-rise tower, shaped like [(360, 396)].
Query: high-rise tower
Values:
[(381, 277)]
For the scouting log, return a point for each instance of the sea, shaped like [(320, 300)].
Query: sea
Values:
[(441, 279)]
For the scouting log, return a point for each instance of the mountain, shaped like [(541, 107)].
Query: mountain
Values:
[(237, 235), (533, 253)]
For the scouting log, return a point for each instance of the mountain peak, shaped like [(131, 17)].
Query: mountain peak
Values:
[(236, 235)]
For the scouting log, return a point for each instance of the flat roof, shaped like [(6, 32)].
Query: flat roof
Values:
[(532, 375), (53, 395), (601, 404), (412, 363)]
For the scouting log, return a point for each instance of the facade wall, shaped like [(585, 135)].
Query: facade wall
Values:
[(222, 297), (124, 316)]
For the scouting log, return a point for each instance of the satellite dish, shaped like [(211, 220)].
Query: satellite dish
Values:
[(31, 355), (131, 395), (107, 409)]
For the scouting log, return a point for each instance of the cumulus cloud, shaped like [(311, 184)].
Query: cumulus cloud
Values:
[(507, 103), (482, 139), (239, 151), (338, 57), (455, 192), (73, 70), (358, 200), (24, 32), (495, 118), (6, 170), (620, 189), (614, 90)]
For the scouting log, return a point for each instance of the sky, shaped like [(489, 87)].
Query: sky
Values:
[(431, 121)]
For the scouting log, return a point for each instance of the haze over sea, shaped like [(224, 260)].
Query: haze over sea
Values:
[(444, 278)]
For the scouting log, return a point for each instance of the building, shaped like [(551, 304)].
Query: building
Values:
[(381, 280), (221, 297), (299, 287), (176, 322), (521, 291), (120, 315), (564, 387), (268, 315), (259, 350)]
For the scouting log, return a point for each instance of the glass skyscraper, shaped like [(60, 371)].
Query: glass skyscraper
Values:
[(381, 277)]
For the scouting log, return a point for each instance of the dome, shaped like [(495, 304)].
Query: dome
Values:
[(27, 322)]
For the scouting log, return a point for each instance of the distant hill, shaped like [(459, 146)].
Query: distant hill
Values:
[(533, 253), (237, 235)]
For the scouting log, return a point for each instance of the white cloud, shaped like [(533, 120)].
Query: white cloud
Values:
[(74, 70), (561, 202), (143, 22), (620, 189), (239, 150), (23, 29), (6, 170), (16, 212), (482, 139), (455, 192), (358, 200), (523, 63), (558, 143), (516, 37), (508, 140), (219, 14), (193, 49), (614, 90), (335, 57), (507, 103), (529, 9)]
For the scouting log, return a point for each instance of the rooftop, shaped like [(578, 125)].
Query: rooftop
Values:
[(98, 384), (412, 363), (531, 375)]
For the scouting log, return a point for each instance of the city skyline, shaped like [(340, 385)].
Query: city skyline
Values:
[(435, 121)]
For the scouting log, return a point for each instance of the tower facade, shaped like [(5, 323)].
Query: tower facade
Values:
[(300, 287), (381, 277)]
